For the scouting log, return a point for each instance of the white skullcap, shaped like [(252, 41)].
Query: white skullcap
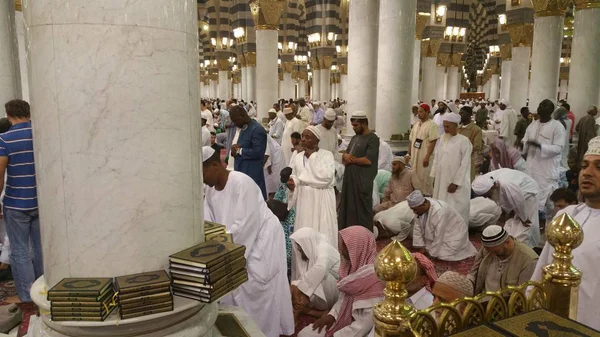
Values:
[(452, 107), (207, 152), (593, 147), (457, 282), (359, 115), (330, 114), (451, 117), (272, 111), (316, 103), (287, 111), (504, 101), (415, 199), (493, 235), (400, 159), (482, 184), (315, 131)]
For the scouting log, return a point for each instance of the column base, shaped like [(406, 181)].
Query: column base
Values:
[(188, 319)]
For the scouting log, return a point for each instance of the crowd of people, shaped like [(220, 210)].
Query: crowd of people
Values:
[(470, 167)]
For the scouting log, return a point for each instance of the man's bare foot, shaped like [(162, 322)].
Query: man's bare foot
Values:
[(13, 299)]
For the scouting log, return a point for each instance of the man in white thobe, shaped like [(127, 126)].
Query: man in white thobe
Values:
[(311, 187), (452, 167), (304, 112), (585, 257), (483, 212), (292, 125), (385, 156), (329, 140), (508, 122), (439, 230), (234, 199), (274, 163), (276, 126), (395, 222), (543, 143), (515, 192), (205, 132), (206, 113)]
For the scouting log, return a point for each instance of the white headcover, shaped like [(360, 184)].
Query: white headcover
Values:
[(451, 117), (415, 199), (207, 152), (330, 114), (482, 184), (593, 147), (272, 111), (287, 111), (359, 115), (315, 131), (400, 159), (505, 102), (452, 107), (457, 282)]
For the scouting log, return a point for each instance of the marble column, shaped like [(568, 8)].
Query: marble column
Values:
[(224, 88), (343, 86), (480, 88), (440, 83), (395, 66), (22, 43), (362, 60), (325, 87), (546, 52), (486, 89), (505, 80), (316, 87), (429, 79), (251, 84), (244, 85), (10, 86), (519, 78), (415, 75), (108, 207), (452, 86), (214, 89), (494, 86), (266, 70), (584, 72), (563, 89), (301, 88)]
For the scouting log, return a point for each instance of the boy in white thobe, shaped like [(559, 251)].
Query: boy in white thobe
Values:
[(452, 167), (292, 125), (234, 199)]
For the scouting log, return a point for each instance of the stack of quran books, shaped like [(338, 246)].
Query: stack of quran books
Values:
[(212, 229), (208, 271), (82, 299), (144, 294)]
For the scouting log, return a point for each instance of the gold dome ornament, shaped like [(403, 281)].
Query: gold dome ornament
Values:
[(397, 267), (561, 279)]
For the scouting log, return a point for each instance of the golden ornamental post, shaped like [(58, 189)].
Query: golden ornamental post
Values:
[(560, 278), (396, 266)]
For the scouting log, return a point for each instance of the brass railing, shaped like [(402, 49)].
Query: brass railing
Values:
[(557, 292)]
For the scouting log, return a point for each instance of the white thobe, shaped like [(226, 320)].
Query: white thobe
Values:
[(585, 258), (438, 119), (305, 114), (314, 197), (508, 122), (328, 141), (384, 162), (266, 295), (210, 122), (564, 156), (483, 212), (443, 233), (397, 220), (276, 127), (291, 126), (452, 165), (496, 118), (518, 192), (205, 136), (543, 163), (277, 163)]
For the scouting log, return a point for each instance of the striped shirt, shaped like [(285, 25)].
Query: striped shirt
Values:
[(20, 191)]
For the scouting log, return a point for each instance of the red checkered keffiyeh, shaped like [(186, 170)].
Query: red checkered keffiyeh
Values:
[(358, 280), (428, 267)]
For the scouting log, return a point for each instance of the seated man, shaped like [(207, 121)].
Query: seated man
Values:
[(360, 289), (396, 222), (502, 261), (439, 230), (483, 212), (399, 185), (451, 286), (563, 197), (419, 289), (314, 278)]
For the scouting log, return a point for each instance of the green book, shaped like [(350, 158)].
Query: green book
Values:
[(211, 227), (147, 307), (70, 317), (148, 312), (145, 292), (224, 237), (146, 299), (542, 323), (56, 298), (207, 254), (223, 281), (81, 287), (211, 277), (136, 283), (212, 297)]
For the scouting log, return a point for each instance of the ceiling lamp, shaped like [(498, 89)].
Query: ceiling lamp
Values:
[(440, 11)]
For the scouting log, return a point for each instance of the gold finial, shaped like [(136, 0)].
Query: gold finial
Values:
[(396, 266), (561, 278)]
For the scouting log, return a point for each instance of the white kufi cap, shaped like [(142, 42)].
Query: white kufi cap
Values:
[(493, 235), (315, 131), (452, 117), (415, 199), (593, 147), (207, 152), (359, 115), (400, 159), (330, 114), (482, 184)]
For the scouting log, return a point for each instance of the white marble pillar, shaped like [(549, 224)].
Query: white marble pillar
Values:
[(244, 85), (415, 75), (288, 86), (429, 79), (545, 58), (279, 91), (10, 86), (486, 89), (395, 66), (108, 207), (224, 88), (480, 88), (266, 70), (519, 77), (494, 87), (452, 86), (301, 88), (440, 83), (316, 85), (344, 86), (505, 80), (325, 86), (362, 60), (584, 73), (563, 89), (214, 91), (251, 71), (22, 43)]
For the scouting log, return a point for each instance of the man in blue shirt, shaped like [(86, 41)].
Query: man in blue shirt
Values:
[(20, 206)]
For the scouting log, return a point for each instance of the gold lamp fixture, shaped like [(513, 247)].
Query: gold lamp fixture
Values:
[(239, 34), (455, 34), (440, 11)]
